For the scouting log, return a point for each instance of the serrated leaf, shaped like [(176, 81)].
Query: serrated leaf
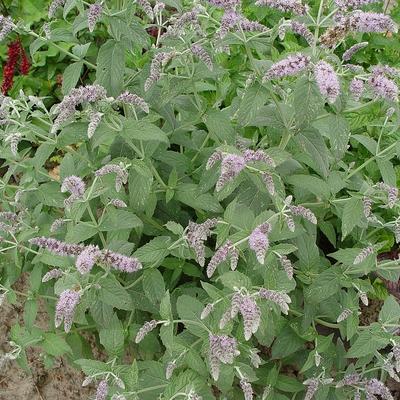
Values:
[(114, 294), (140, 182), (142, 130), (71, 76), (116, 220), (153, 285), (55, 345), (353, 215), (111, 67), (189, 309)]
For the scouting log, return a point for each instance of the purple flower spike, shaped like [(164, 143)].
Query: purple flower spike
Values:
[(327, 81), (231, 166), (289, 66), (65, 308)]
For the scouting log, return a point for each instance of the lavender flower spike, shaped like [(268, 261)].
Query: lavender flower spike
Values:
[(348, 54), (120, 262), (356, 88), (346, 313), (280, 298), (251, 316), (361, 21), (133, 99), (222, 349), (121, 174), (65, 308), (304, 212), (346, 4), (6, 26), (202, 54), (54, 6), (289, 66), (57, 247), (258, 241), (383, 87), (312, 387), (94, 121), (247, 389), (231, 166), (302, 30), (74, 185), (197, 234), (145, 4), (87, 259), (94, 14), (223, 252), (293, 6), (364, 253), (52, 274), (102, 390), (327, 81), (373, 386), (145, 329)]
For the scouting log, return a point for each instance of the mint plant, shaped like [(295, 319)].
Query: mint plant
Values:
[(212, 194)]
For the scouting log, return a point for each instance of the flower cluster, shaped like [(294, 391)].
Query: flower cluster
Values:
[(145, 330), (223, 349), (94, 14), (65, 308), (361, 21), (75, 186), (227, 250), (289, 66), (202, 54), (382, 86), (133, 99), (91, 255), (6, 26), (279, 298), (233, 164), (327, 81), (258, 241), (197, 234), (157, 63), (54, 6), (121, 175), (294, 6)]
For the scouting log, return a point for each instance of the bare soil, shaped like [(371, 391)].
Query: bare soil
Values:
[(62, 382)]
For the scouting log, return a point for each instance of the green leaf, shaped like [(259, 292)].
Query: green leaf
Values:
[(188, 194), (369, 341), (337, 129), (153, 285), (112, 337), (116, 220), (113, 294), (80, 232), (140, 182), (189, 309), (92, 367), (155, 251), (307, 101), (252, 101), (111, 67), (311, 183), (390, 312), (353, 215), (30, 312), (71, 76), (219, 125), (55, 345), (313, 145), (142, 130), (165, 306), (325, 285)]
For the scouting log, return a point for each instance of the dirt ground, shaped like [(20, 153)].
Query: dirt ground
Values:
[(62, 382)]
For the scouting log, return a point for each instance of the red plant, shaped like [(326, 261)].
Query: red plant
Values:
[(15, 54), (25, 64)]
